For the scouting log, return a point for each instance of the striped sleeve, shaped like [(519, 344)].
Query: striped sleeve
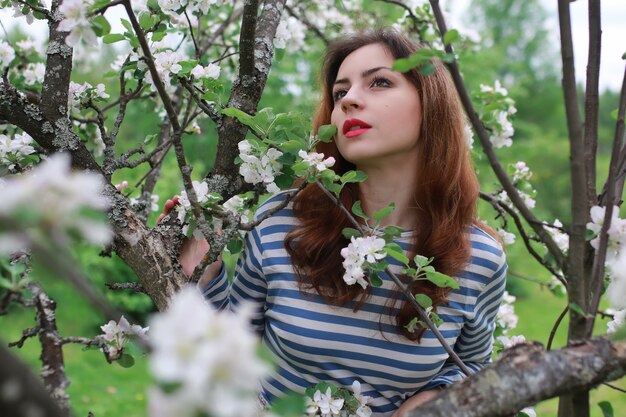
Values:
[(475, 343), (249, 284)]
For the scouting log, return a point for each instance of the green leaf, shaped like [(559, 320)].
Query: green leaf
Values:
[(451, 36), (427, 69), (244, 118), (326, 132), (291, 405), (113, 37), (358, 210), (607, 408), (384, 212), (145, 20), (441, 280), (349, 232), (187, 66), (395, 251), (624, 55), (235, 246), (392, 231), (279, 54), (98, 4), (126, 360), (100, 25), (375, 279), (264, 118), (127, 25), (437, 321), (353, 176), (403, 65), (614, 114), (577, 309), (423, 300), (421, 261), (158, 35), (5, 283)]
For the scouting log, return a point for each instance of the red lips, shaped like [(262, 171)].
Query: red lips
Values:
[(348, 127)]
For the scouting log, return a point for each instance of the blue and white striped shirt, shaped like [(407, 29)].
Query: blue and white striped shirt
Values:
[(314, 341)]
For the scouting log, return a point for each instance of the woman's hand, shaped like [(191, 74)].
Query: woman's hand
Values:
[(415, 401), (192, 250)]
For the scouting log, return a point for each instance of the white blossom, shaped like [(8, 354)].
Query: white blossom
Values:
[(168, 61), (7, 54), (18, 9), (171, 5), (560, 238), (255, 170), (469, 135), (522, 172), (529, 411), (364, 410), (26, 45), (116, 334), (507, 238), (34, 73), (316, 161), (358, 254), (290, 34), (506, 317), (619, 318), (508, 342), (75, 21), (497, 88), (58, 196), (211, 357), (528, 200), (237, 206), (325, 404), (210, 71), (14, 150)]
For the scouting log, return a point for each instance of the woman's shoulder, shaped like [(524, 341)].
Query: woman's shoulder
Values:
[(486, 249), (278, 206)]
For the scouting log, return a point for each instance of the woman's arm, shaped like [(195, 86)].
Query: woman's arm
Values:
[(417, 400)]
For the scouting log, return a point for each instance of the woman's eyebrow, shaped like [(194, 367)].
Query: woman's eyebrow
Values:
[(363, 74)]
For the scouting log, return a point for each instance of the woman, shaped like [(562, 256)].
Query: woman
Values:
[(406, 132)]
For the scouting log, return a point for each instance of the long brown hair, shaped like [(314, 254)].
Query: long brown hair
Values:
[(445, 197)]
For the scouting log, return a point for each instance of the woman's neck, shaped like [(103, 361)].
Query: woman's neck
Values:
[(384, 187)]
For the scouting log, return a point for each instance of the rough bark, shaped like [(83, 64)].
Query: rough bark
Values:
[(526, 375), (53, 369), (256, 53)]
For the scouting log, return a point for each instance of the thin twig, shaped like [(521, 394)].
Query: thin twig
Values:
[(525, 237), (616, 388), (556, 327), (26, 334), (134, 286)]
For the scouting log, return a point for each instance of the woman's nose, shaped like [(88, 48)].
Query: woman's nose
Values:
[(351, 100)]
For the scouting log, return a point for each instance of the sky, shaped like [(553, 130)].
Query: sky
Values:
[(613, 34), (613, 19)]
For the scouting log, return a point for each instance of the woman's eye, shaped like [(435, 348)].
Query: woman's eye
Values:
[(338, 94), (381, 82)]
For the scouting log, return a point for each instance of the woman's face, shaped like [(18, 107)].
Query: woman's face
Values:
[(377, 111)]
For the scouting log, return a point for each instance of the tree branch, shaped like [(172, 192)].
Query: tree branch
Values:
[(527, 374), (592, 99), (254, 69)]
